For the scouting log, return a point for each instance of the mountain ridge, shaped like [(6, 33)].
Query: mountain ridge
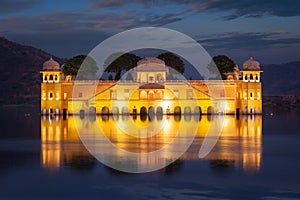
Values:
[(20, 67)]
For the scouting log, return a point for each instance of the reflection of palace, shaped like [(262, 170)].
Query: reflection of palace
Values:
[(239, 143), (149, 91), (61, 145)]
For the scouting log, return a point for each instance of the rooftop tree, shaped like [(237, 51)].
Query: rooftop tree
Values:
[(72, 67), (224, 65)]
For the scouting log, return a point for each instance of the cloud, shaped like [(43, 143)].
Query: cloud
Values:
[(13, 6), (248, 8), (96, 4), (106, 4), (249, 41), (104, 21), (233, 9)]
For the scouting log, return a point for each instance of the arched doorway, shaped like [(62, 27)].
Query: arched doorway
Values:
[(115, 110), (177, 110), (92, 110), (197, 117), (197, 110), (81, 114), (125, 111), (187, 110), (65, 113), (210, 110), (105, 110), (159, 110), (151, 112), (143, 111)]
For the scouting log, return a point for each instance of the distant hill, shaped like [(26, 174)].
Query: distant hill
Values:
[(281, 78), (19, 68)]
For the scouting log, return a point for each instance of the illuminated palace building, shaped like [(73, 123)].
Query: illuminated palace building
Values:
[(150, 92)]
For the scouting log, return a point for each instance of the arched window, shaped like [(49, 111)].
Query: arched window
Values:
[(50, 96), (151, 95), (159, 94), (51, 77), (151, 79), (56, 78), (159, 78), (251, 77), (143, 95), (245, 95)]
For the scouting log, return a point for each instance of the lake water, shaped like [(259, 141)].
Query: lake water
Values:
[(43, 158)]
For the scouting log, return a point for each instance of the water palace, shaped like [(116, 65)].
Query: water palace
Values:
[(151, 93)]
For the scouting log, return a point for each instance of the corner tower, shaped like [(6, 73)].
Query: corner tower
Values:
[(251, 87), (51, 87)]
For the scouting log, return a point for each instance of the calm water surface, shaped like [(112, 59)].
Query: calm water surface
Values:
[(254, 158)]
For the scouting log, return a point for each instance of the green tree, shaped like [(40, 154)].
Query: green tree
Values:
[(117, 62), (223, 65), (72, 67), (172, 61)]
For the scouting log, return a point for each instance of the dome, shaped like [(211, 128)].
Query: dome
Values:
[(151, 64), (251, 64), (51, 65)]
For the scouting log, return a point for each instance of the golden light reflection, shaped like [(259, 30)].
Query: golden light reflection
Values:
[(60, 144), (240, 142)]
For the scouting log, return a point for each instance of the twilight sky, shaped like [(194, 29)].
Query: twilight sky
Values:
[(268, 30)]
